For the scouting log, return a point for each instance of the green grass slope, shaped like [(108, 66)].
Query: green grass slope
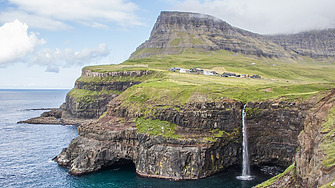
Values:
[(280, 79)]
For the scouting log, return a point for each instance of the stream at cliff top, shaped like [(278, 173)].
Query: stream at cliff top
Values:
[(26, 152)]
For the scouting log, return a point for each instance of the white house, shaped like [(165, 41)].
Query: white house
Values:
[(182, 71), (208, 73)]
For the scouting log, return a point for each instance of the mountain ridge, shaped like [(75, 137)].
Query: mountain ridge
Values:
[(175, 32)]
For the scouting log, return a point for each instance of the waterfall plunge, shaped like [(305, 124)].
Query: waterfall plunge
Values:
[(246, 164)]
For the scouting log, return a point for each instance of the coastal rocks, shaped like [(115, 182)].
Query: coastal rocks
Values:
[(56, 116), (311, 155), (104, 143), (87, 108), (313, 165), (92, 106), (197, 153), (207, 115), (273, 129)]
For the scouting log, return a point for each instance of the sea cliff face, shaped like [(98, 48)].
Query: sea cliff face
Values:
[(273, 129), (93, 91), (198, 152), (314, 160)]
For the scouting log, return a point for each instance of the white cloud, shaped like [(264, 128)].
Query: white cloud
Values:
[(53, 59), (17, 46), (53, 14), (52, 69), (15, 43), (34, 21), (266, 16)]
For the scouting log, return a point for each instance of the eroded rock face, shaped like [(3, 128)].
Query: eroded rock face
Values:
[(307, 169), (219, 115), (95, 106), (104, 144), (315, 44), (310, 156), (111, 139), (273, 129)]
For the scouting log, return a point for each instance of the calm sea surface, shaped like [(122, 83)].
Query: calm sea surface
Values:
[(26, 152)]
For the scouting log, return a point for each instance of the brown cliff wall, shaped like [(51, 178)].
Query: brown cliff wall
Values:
[(192, 156)]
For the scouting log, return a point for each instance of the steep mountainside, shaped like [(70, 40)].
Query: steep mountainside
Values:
[(314, 44), (177, 32)]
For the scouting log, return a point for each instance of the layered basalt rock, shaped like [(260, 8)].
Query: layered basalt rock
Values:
[(196, 153), (314, 44), (308, 169), (273, 129), (76, 111), (106, 142), (174, 32), (211, 115), (96, 105)]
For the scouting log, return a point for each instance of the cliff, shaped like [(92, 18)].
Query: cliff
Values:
[(314, 161), (90, 96), (193, 142), (93, 91)]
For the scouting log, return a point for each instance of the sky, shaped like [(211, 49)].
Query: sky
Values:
[(44, 44)]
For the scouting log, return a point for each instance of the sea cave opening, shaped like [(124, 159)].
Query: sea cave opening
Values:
[(121, 163)]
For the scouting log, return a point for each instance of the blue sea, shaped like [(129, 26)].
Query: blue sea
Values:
[(26, 152)]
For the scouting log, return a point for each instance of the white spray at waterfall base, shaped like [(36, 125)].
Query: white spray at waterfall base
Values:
[(246, 164)]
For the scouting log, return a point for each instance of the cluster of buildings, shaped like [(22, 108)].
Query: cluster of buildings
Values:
[(201, 71)]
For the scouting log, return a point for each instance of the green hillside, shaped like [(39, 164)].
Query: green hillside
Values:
[(280, 79)]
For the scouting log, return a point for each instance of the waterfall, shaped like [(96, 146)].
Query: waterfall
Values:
[(246, 163)]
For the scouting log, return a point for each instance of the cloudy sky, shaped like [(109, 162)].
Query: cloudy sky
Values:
[(45, 43)]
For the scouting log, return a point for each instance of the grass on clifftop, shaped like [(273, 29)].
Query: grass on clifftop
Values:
[(86, 96), (281, 79)]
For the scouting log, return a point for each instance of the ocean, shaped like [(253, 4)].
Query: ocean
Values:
[(26, 152)]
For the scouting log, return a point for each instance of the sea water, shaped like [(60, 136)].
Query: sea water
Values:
[(26, 152)]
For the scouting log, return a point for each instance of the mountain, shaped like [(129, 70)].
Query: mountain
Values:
[(314, 44), (177, 32)]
